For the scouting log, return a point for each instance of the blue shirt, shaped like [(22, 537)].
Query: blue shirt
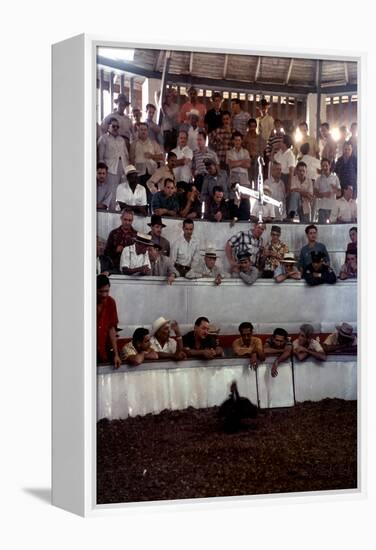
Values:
[(305, 258)]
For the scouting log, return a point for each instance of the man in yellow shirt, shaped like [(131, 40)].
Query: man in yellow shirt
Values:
[(248, 345)]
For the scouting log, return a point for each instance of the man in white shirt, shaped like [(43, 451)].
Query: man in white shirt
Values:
[(301, 194), (239, 161), (125, 123), (113, 151), (145, 153), (325, 190), (161, 342), (185, 251), (134, 259), (193, 129), (184, 154), (265, 122), (286, 158), (313, 163), (344, 209), (277, 189), (305, 138), (266, 210), (130, 194)]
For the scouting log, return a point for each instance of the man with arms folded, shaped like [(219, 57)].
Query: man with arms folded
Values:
[(287, 269), (185, 251), (138, 350), (248, 345), (198, 343), (135, 259), (166, 347), (325, 190), (306, 346), (278, 344), (130, 194)]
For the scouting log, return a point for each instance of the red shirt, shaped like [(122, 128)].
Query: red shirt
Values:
[(106, 320)]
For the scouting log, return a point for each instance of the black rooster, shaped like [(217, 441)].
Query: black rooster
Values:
[(234, 409)]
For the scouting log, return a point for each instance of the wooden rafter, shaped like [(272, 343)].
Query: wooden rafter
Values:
[(257, 69), (289, 71), (225, 65)]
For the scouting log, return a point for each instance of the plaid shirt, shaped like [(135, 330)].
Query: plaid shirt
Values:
[(222, 142), (246, 242)]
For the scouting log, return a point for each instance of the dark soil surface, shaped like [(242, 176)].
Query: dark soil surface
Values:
[(186, 454)]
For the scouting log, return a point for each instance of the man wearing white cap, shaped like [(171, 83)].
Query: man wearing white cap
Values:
[(342, 340), (131, 194), (167, 348), (134, 259), (206, 267)]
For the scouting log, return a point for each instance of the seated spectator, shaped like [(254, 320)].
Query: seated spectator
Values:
[(145, 153), (274, 252), (188, 199), (343, 340), (200, 155), (104, 263), (301, 194), (328, 146), (166, 347), (287, 269), (325, 189), (104, 190), (156, 181), (277, 188), (185, 251), (165, 203), (239, 161), (198, 343), (248, 345), (349, 270), (245, 270), (346, 168), (135, 259), (160, 265), (120, 237), (193, 128), (286, 159), (313, 164), (344, 210), (278, 344), (312, 246), (318, 272), (138, 350), (250, 241), (305, 345), (107, 321), (265, 212), (353, 246), (216, 207), (184, 156), (130, 194), (221, 139), (206, 268), (154, 130), (156, 224)]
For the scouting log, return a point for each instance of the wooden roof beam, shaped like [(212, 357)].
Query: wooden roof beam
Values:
[(289, 71), (257, 73)]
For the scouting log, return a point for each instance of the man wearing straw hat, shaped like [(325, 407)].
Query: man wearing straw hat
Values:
[(161, 342), (342, 340), (287, 269), (206, 267), (134, 259)]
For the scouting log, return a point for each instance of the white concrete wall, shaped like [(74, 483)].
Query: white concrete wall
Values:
[(151, 388)]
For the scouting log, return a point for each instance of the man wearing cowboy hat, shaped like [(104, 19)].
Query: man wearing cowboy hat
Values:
[(161, 266), (130, 194), (134, 259), (206, 267), (287, 269), (156, 224), (343, 339), (166, 347), (125, 123)]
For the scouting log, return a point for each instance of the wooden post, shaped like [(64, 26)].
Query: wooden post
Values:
[(163, 85)]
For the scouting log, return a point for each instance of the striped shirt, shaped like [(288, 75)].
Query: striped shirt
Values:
[(199, 156)]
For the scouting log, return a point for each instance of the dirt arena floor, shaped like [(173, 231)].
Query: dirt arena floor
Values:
[(186, 454)]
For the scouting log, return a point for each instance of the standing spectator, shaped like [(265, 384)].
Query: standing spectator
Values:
[(163, 344), (318, 272), (286, 159), (207, 268), (240, 118), (213, 117), (301, 194), (214, 178), (193, 129), (305, 138), (250, 242), (277, 189), (130, 194), (156, 224), (216, 209), (103, 187), (144, 154), (343, 340), (305, 345), (248, 345), (287, 269), (344, 210), (275, 139), (221, 139), (184, 155), (346, 168), (255, 145), (134, 259), (137, 115), (120, 237), (156, 181), (312, 246), (265, 122), (354, 138), (198, 342), (342, 140), (154, 131), (263, 211), (193, 103), (274, 252), (238, 160), (245, 271), (326, 188), (161, 266), (328, 147), (138, 350), (165, 203), (349, 270), (113, 151), (185, 251), (125, 123), (278, 344), (313, 163), (107, 321), (170, 122), (200, 155)]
